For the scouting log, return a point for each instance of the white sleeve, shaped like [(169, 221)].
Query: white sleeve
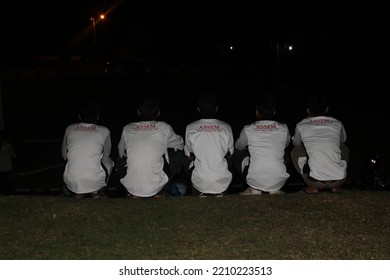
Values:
[(231, 141), (175, 141), (297, 137), (187, 148), (343, 135), (121, 145), (288, 140), (64, 146), (242, 141), (107, 146)]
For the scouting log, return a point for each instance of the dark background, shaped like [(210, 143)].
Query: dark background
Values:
[(182, 49)]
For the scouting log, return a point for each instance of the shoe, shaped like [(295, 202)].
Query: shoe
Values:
[(65, 191), (335, 190), (310, 190), (219, 195), (202, 195), (79, 196), (250, 191), (277, 192), (96, 195), (130, 196)]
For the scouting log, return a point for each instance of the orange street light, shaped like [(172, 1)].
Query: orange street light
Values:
[(94, 29)]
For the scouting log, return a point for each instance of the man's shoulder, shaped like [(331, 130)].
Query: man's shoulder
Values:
[(103, 128), (224, 123)]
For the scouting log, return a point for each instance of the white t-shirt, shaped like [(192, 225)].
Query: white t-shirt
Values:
[(145, 143), (266, 141), (84, 147), (322, 137), (209, 140)]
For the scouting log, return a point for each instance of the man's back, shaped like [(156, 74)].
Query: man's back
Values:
[(319, 153), (145, 143), (210, 140), (266, 141), (84, 146), (322, 136)]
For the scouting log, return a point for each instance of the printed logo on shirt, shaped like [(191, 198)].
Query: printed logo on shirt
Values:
[(90, 128), (208, 128), (320, 121), (266, 127), (146, 127)]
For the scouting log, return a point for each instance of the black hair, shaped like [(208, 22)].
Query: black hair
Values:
[(207, 104), (317, 104), (265, 103), (148, 108), (89, 111)]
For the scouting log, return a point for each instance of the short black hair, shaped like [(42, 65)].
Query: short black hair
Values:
[(207, 104), (317, 104), (149, 108), (265, 103), (89, 111)]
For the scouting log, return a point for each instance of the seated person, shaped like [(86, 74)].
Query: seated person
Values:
[(319, 154), (207, 143), (86, 148), (146, 144), (260, 150)]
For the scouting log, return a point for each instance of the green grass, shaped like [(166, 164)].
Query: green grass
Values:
[(351, 225)]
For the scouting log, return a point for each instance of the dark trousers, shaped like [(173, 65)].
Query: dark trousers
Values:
[(173, 165)]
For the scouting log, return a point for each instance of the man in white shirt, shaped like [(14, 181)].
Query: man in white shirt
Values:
[(207, 142), (145, 144), (261, 150), (86, 147), (320, 154)]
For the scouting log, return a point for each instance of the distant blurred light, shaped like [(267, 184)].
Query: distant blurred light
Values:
[(230, 47), (290, 48)]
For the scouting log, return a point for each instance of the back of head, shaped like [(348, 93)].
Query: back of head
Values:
[(207, 105), (317, 104), (265, 105), (148, 109), (89, 111)]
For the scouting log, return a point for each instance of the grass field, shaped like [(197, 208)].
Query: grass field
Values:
[(352, 225)]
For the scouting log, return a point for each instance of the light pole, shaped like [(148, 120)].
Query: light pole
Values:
[(277, 62), (94, 31)]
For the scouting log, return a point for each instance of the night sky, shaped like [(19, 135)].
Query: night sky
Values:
[(340, 45), (192, 29)]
